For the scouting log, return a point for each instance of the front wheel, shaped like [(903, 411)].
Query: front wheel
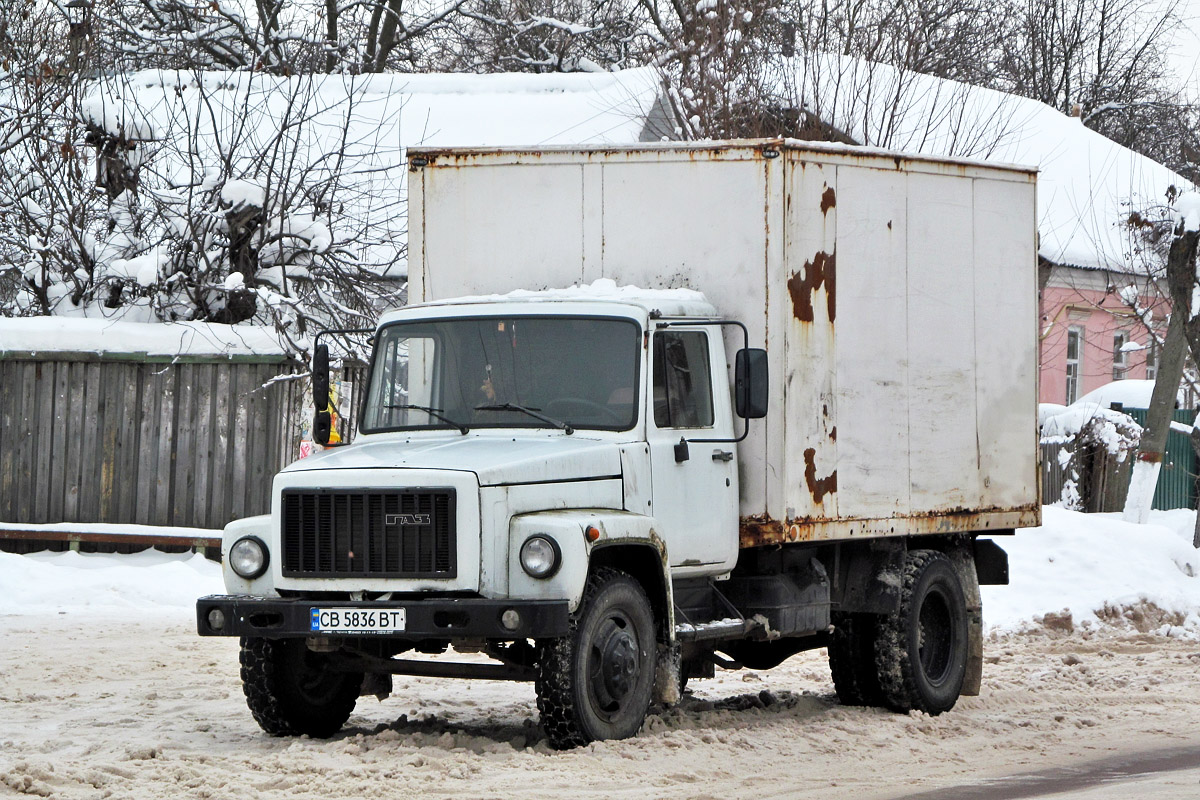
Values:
[(921, 651), (596, 682), (292, 691)]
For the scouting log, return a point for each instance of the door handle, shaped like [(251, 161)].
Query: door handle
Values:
[(722, 455)]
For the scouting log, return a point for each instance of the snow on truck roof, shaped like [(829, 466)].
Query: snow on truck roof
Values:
[(666, 302)]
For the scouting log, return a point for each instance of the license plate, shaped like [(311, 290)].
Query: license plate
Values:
[(356, 620)]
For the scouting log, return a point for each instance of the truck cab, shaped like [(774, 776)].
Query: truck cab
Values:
[(509, 452)]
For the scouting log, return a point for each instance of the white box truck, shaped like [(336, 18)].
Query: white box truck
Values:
[(790, 435)]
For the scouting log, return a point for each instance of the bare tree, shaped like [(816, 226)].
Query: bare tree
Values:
[(1184, 281)]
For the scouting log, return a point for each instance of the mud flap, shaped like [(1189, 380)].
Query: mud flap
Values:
[(964, 565), (666, 674)]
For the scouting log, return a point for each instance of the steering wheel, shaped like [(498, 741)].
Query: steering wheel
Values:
[(561, 407)]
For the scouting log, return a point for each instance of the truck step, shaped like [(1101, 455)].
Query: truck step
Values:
[(729, 628)]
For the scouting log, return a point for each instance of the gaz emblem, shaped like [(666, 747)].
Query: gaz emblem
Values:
[(406, 519)]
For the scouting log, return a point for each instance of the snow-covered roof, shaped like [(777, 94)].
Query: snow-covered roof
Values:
[(186, 126), (1087, 185), (390, 110), (44, 335)]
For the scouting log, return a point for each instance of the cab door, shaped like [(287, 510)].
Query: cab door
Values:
[(695, 484)]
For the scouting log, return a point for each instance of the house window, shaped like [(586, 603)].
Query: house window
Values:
[(1120, 357), (1074, 359), (1152, 356)]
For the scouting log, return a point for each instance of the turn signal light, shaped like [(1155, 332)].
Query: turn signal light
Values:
[(592, 533)]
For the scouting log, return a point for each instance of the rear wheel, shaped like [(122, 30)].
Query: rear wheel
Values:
[(921, 652), (596, 682), (852, 660), (292, 691)]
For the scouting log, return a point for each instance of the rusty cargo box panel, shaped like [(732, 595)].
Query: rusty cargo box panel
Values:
[(895, 295)]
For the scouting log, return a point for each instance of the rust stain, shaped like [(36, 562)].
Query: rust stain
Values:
[(818, 487), (801, 286), (833, 433), (827, 200), (761, 529)]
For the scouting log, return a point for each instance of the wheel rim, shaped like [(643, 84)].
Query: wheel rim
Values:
[(615, 665), (935, 638)]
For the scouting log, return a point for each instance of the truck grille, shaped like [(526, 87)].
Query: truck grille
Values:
[(355, 533)]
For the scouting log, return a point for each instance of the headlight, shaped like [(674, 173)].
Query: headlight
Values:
[(540, 556), (248, 557)]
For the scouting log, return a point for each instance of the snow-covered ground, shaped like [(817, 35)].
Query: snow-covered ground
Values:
[(108, 692), (1084, 564)]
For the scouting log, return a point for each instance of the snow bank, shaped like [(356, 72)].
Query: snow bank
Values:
[(1094, 566), (106, 584), (1083, 563), (72, 334)]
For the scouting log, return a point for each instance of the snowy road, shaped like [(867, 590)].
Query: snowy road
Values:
[(109, 705)]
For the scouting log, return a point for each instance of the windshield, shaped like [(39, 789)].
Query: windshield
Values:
[(565, 372)]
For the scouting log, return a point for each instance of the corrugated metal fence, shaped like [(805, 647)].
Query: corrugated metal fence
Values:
[(1177, 479), (122, 439)]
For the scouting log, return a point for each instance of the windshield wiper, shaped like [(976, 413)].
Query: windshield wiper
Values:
[(565, 427), (433, 412)]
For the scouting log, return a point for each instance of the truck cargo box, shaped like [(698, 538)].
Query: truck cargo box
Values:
[(896, 297)]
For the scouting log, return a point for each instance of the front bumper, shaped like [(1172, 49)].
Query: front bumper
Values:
[(440, 618)]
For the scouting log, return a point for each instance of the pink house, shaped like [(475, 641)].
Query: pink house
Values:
[(1091, 334)]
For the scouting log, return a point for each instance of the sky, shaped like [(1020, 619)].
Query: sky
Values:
[(1185, 59)]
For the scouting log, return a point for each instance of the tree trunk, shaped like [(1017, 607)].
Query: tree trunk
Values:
[(1183, 282), (1144, 478)]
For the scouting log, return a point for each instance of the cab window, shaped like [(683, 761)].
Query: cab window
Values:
[(682, 380)]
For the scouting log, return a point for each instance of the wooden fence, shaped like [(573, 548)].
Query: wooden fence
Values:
[(137, 439)]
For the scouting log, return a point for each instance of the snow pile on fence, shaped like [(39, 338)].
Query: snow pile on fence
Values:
[(1115, 431), (76, 335)]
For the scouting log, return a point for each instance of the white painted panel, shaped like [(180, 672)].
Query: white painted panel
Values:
[(944, 450), (534, 211), (808, 295), (592, 216), (1006, 341), (700, 224), (871, 332)]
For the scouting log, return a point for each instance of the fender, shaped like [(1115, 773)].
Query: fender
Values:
[(626, 541), (259, 526)]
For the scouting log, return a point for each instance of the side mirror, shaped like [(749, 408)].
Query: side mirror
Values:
[(750, 383), (322, 423)]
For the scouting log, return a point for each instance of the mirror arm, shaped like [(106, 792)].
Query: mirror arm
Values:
[(745, 346), (322, 420)]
